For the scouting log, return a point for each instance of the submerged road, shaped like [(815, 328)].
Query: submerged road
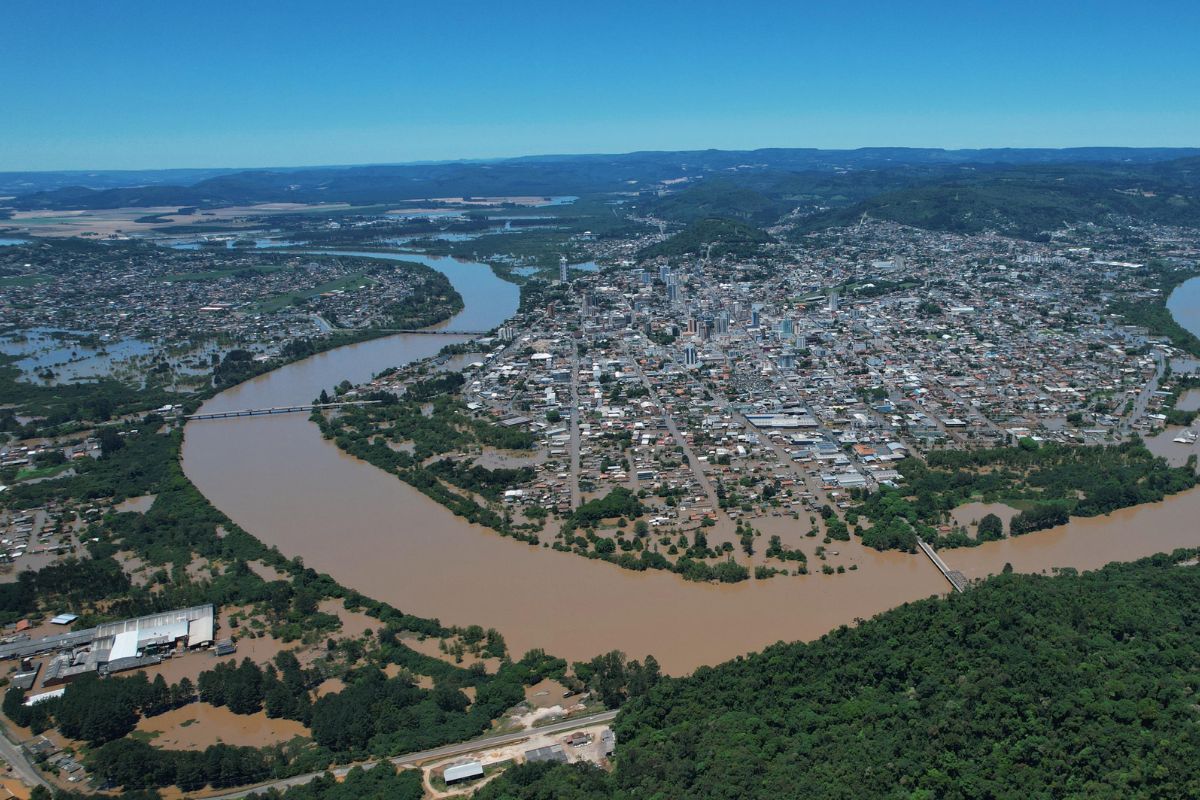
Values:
[(412, 759)]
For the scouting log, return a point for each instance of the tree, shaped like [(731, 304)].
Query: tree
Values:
[(110, 441), (991, 528)]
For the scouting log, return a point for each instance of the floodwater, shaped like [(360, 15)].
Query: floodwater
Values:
[(40, 349), (260, 244), (1092, 542), (1184, 305), (968, 514), (1189, 400), (277, 478), (198, 725)]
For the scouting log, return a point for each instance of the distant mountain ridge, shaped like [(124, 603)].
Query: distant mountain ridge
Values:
[(528, 175)]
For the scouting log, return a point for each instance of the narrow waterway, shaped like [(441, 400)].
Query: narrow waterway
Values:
[(277, 478)]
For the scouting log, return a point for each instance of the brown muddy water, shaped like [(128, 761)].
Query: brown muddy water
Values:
[(279, 480)]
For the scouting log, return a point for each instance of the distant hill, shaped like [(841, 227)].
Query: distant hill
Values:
[(529, 176), (18, 183), (763, 196), (1029, 201), (716, 236)]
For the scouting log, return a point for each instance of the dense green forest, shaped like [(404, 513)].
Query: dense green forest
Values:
[(1027, 202), (718, 237), (1023, 200), (1027, 686)]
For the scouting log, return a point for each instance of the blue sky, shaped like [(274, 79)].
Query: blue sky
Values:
[(130, 84)]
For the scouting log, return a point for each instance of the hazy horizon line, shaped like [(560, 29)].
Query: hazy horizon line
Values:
[(597, 153)]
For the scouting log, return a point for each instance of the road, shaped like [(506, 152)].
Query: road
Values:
[(1143, 399), (20, 764), (576, 441), (411, 759), (701, 478)]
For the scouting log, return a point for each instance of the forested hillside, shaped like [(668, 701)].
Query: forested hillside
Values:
[(1027, 686), (803, 172), (715, 237), (1024, 201)]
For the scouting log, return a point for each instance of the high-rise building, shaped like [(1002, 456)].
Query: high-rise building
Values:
[(690, 358), (722, 324), (833, 301), (786, 327), (564, 272), (672, 293), (664, 273)]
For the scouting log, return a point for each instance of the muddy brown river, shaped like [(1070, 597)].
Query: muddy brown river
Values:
[(277, 478)]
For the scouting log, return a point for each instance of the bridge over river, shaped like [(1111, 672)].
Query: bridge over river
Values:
[(956, 578), (427, 331), (256, 412)]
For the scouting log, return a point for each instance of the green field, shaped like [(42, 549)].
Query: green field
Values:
[(217, 274), (42, 472), (23, 280)]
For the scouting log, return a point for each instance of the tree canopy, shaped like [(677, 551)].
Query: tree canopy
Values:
[(1027, 686)]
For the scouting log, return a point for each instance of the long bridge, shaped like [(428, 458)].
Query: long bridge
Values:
[(427, 331), (956, 578), (257, 412)]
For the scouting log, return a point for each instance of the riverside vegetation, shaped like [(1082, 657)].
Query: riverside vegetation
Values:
[(1029, 686), (181, 526), (1049, 482)]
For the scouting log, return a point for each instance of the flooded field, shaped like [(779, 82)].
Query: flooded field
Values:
[(197, 725), (277, 478), (1176, 453), (969, 514)]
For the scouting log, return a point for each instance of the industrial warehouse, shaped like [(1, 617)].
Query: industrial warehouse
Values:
[(113, 647)]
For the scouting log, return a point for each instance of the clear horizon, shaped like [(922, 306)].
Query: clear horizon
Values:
[(141, 85)]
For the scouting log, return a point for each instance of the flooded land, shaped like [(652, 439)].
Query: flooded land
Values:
[(198, 725), (276, 477)]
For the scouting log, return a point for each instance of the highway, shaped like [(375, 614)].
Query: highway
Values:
[(21, 765), (412, 759)]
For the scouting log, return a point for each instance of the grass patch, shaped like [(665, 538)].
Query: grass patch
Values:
[(279, 301), (23, 280), (29, 473)]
